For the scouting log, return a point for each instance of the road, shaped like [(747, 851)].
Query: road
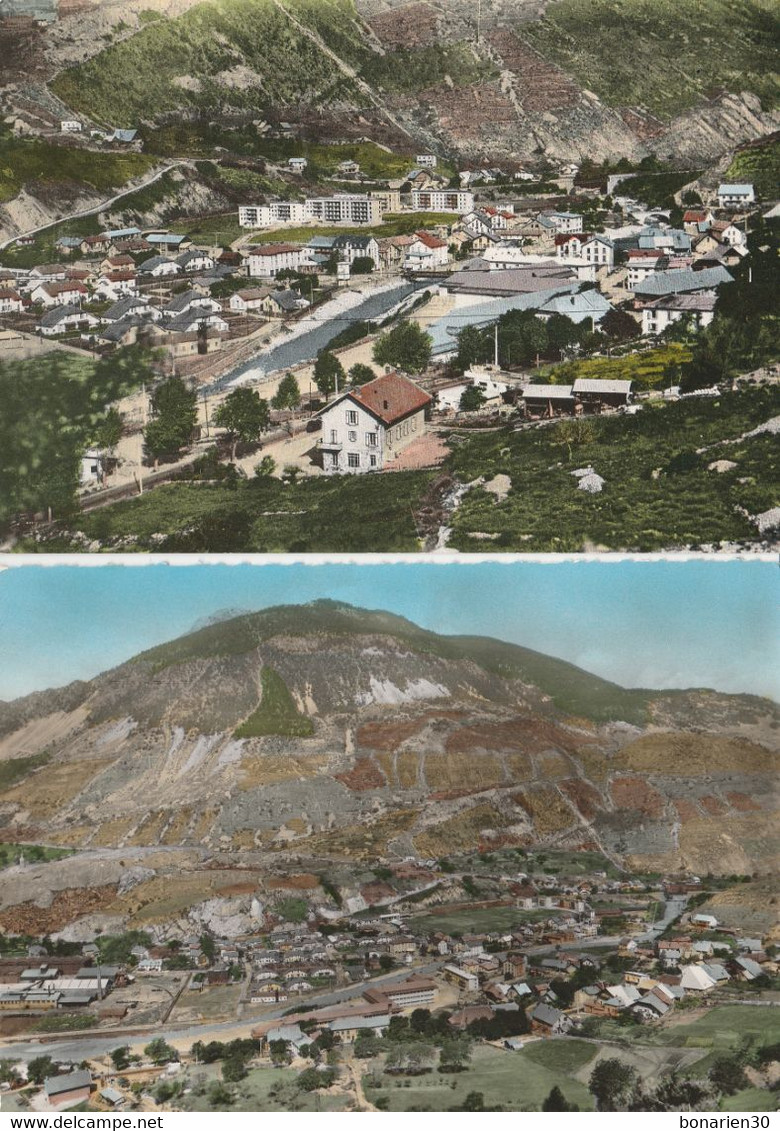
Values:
[(99, 207), (84, 1048), (673, 910)]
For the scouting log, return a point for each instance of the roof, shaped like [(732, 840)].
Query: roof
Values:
[(69, 241), (288, 300), (730, 190), (165, 238), (123, 306), (270, 249), (547, 392), (429, 240), (185, 300), (584, 304), (340, 1024), (254, 294), (156, 261), (285, 1033), (58, 313), (546, 1014), (56, 1085), (390, 397), (697, 302), (675, 282), (590, 385)]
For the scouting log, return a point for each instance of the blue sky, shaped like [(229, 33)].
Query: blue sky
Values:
[(665, 623)]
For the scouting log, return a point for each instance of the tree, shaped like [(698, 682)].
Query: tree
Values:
[(120, 1057), (288, 395), (360, 374), (233, 1069), (174, 409), (556, 1101), (160, 1052), (280, 1052), (244, 414), (329, 373), (386, 962), (455, 1054), (405, 347), (39, 1068), (728, 1074), (474, 346), (312, 1078), (108, 434), (265, 468), (219, 1096), (619, 324), (362, 265), (208, 946), (471, 399), (611, 1082)]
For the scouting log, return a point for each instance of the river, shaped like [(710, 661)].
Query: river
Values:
[(311, 334)]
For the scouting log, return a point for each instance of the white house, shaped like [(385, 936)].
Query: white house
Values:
[(71, 126), (367, 427), (662, 312), (351, 248), (249, 300), (196, 260), (191, 302), (736, 196), (427, 252), (696, 979), (58, 294), (254, 216), (442, 200), (297, 164), (426, 160), (10, 302), (267, 260), (564, 221), (60, 319), (159, 267), (641, 263)]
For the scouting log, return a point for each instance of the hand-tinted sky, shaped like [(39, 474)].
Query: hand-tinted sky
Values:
[(668, 623)]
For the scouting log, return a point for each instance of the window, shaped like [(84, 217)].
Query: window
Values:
[(353, 459), (352, 437), (352, 418), (371, 439), (334, 436), (372, 461)]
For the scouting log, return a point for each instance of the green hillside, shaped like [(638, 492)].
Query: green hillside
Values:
[(251, 55), (26, 163), (759, 165), (571, 688), (665, 55)]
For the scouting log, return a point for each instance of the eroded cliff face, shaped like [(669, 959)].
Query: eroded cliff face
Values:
[(367, 743)]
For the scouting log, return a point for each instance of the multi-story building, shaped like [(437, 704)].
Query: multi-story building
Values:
[(267, 260), (277, 212), (344, 208), (443, 200)]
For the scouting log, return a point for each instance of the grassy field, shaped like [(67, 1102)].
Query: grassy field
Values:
[(263, 1089), (393, 225), (39, 164), (723, 1027), (14, 769), (650, 52), (650, 369), (658, 493), (518, 1081), (276, 712), (66, 1022), (475, 919)]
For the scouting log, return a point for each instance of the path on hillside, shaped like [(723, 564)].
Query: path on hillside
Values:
[(102, 207)]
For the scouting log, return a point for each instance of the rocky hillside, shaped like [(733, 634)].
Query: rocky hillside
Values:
[(354, 735), (562, 80)]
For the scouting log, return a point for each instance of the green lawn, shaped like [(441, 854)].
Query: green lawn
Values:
[(263, 1089), (750, 1099), (477, 919), (724, 1027), (515, 1080), (392, 225)]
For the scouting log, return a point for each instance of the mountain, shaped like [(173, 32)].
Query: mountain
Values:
[(570, 79), (341, 734)]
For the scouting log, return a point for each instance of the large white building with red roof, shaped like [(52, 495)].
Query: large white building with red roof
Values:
[(367, 427)]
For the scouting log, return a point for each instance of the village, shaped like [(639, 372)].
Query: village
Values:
[(603, 273), (342, 1005)]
